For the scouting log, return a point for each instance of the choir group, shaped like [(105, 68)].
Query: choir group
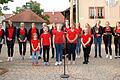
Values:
[(64, 39)]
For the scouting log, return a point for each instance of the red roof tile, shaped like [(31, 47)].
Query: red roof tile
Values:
[(8, 15), (25, 16), (55, 17)]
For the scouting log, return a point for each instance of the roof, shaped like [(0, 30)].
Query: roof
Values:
[(55, 17), (25, 16), (7, 15)]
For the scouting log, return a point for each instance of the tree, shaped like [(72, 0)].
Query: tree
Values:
[(18, 10), (35, 7), (46, 18), (5, 1), (5, 7)]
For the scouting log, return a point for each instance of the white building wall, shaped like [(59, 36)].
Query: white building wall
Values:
[(84, 12)]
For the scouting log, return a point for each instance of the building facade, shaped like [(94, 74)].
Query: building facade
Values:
[(104, 10), (28, 17)]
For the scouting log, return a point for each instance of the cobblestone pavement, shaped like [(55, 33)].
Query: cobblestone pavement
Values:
[(97, 69)]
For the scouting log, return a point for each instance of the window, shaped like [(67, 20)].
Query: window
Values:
[(97, 12)]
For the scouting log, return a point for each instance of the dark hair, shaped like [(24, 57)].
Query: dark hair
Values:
[(116, 24), (63, 26), (9, 24)]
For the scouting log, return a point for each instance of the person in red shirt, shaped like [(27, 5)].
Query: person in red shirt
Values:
[(52, 33), (117, 40), (1, 38), (35, 42), (107, 38), (41, 31), (45, 44), (72, 36), (22, 39), (10, 39), (90, 33), (58, 43), (32, 30), (66, 27), (85, 39), (78, 44)]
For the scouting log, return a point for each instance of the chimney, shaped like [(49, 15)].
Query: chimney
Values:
[(53, 12)]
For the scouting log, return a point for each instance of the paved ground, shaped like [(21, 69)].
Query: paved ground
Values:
[(97, 69)]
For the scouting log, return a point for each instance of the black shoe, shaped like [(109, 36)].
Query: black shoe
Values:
[(100, 56), (52, 57), (95, 57), (87, 62), (88, 55), (63, 57), (67, 56), (39, 57), (84, 62)]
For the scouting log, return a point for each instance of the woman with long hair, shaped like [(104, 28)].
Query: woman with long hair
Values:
[(52, 33), (78, 44), (72, 36), (117, 40), (1, 38), (107, 38), (90, 33), (85, 39), (10, 39)]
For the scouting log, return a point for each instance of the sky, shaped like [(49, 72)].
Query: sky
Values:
[(47, 5)]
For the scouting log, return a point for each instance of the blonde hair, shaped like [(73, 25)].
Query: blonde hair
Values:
[(21, 23), (44, 24)]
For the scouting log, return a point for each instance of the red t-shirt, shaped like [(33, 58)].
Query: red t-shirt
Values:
[(33, 31), (1, 32), (107, 29), (67, 29), (78, 31), (35, 44), (86, 38), (72, 35), (22, 31), (59, 37), (10, 32), (45, 39), (118, 30)]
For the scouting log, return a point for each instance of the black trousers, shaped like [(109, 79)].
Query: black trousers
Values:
[(86, 51), (71, 51), (108, 46), (65, 50), (0, 48), (46, 50), (22, 48), (117, 47), (53, 52), (10, 46), (30, 48), (107, 41)]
